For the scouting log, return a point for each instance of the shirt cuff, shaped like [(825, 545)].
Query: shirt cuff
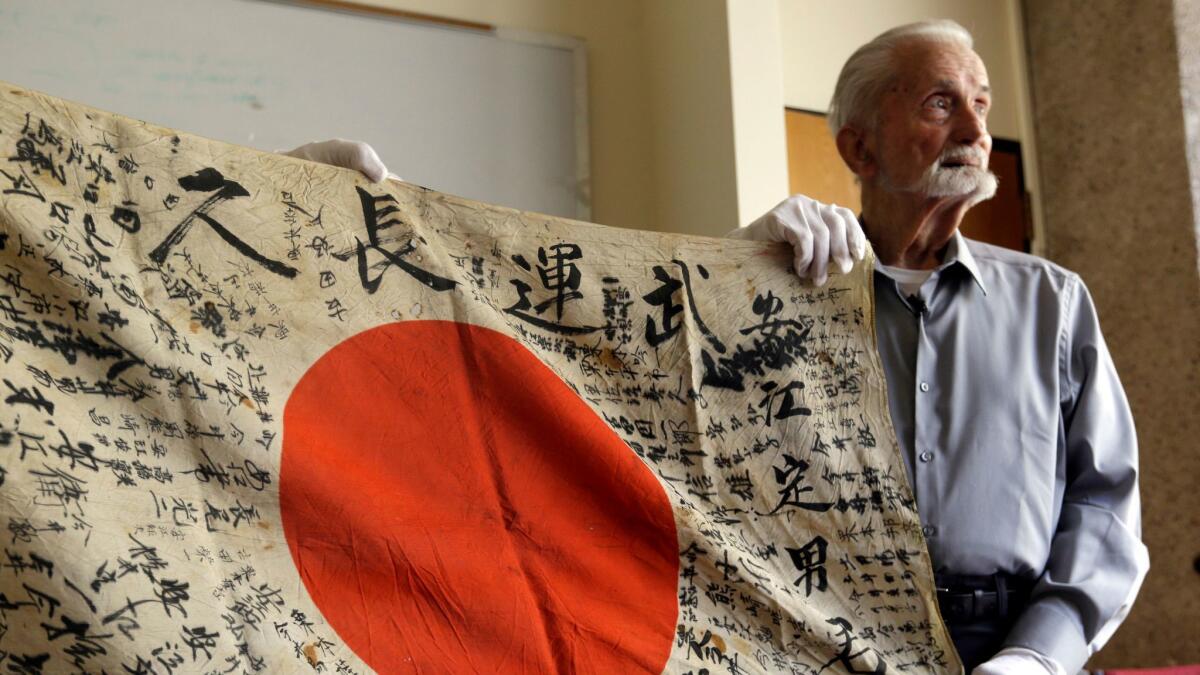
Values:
[(1052, 631), (1027, 661)]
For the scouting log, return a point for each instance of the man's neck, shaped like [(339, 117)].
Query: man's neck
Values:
[(910, 232)]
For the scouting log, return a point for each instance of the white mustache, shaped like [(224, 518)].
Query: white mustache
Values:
[(964, 155)]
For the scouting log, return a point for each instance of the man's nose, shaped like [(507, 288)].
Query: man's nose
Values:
[(971, 128)]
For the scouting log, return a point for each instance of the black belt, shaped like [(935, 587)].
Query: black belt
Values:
[(969, 598)]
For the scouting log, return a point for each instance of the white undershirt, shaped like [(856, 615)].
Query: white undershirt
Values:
[(909, 280)]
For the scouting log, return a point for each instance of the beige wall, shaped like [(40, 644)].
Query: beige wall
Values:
[(756, 78), (688, 63), (719, 144)]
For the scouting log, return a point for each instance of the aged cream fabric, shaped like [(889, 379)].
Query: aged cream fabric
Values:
[(260, 415)]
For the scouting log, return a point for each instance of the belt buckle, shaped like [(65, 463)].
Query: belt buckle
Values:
[(977, 603)]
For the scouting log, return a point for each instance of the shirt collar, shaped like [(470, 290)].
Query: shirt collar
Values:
[(958, 252)]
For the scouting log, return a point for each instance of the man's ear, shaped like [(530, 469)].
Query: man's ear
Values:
[(856, 153)]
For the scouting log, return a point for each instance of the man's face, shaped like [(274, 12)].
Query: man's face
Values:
[(932, 137)]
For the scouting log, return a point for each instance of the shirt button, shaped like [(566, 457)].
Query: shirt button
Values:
[(929, 530), (924, 386), (926, 456)]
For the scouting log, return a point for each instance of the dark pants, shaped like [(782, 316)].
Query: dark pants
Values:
[(978, 641), (979, 611)]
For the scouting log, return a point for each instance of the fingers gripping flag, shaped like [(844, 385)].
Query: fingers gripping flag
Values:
[(262, 416)]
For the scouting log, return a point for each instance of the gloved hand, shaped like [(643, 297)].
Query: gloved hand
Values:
[(345, 154), (819, 233), (1019, 661)]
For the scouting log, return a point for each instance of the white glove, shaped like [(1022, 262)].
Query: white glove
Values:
[(345, 154), (1019, 661), (819, 233)]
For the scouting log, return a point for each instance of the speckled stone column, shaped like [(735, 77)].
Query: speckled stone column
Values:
[(1120, 210)]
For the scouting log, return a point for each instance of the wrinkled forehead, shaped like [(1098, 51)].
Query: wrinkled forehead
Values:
[(926, 64)]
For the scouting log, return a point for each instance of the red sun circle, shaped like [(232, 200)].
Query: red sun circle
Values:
[(453, 507)]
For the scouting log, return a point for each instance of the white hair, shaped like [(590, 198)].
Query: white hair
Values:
[(872, 68)]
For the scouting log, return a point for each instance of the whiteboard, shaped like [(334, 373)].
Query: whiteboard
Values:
[(497, 116)]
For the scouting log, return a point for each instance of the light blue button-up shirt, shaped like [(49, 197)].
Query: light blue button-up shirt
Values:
[(1018, 439)]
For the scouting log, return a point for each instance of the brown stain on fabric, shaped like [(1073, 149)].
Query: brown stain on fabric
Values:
[(718, 643), (310, 653), (610, 360)]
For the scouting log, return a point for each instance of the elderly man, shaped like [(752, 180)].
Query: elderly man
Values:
[(1014, 428)]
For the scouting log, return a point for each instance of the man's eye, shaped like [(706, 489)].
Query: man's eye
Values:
[(940, 102)]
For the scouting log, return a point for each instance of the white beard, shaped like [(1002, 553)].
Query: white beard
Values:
[(960, 181), (974, 182)]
